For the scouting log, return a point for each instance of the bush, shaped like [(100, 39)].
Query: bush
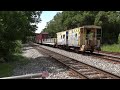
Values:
[(119, 39), (9, 48), (111, 48), (18, 46)]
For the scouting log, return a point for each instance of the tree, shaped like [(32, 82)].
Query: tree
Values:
[(15, 26), (108, 20)]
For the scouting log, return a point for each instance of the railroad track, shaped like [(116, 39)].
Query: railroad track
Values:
[(107, 57), (113, 59), (84, 70)]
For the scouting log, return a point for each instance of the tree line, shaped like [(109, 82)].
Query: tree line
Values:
[(108, 20), (15, 27)]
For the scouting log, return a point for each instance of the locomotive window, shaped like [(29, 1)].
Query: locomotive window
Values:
[(61, 36)]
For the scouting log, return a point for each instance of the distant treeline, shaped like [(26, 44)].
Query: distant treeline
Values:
[(109, 20)]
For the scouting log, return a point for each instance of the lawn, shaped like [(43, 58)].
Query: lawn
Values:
[(6, 68), (111, 48)]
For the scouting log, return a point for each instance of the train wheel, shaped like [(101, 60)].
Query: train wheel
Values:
[(76, 50), (82, 52), (67, 48), (91, 51)]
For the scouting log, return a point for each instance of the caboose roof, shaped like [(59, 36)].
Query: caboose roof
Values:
[(85, 26), (44, 33), (91, 26)]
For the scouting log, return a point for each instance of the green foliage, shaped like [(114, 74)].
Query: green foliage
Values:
[(111, 48), (6, 69), (119, 39), (109, 20), (15, 27), (9, 48), (18, 46)]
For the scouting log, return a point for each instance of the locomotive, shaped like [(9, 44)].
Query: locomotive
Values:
[(85, 38)]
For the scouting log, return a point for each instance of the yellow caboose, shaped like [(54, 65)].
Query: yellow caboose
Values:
[(85, 38)]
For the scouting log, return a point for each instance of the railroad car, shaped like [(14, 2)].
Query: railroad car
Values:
[(85, 38), (43, 38), (40, 37), (50, 41)]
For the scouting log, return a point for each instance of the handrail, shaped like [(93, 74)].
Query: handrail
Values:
[(28, 76)]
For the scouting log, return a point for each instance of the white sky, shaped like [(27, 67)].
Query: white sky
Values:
[(46, 16)]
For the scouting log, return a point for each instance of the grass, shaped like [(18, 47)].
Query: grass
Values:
[(111, 48), (6, 68)]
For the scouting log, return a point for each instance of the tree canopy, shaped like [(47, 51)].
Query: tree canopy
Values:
[(15, 26)]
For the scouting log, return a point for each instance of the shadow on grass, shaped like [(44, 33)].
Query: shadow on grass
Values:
[(6, 68)]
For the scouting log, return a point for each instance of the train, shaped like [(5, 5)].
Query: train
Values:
[(84, 38)]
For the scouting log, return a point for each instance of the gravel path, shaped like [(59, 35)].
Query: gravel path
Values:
[(99, 63), (38, 63)]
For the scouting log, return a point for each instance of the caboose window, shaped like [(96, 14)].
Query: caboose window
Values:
[(87, 33), (98, 31), (63, 36), (76, 35), (98, 34)]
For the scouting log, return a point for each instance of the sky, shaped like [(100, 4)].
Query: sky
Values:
[(46, 16)]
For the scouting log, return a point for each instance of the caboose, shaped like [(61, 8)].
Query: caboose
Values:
[(85, 38), (40, 37)]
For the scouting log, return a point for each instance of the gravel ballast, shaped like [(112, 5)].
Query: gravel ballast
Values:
[(39, 63), (96, 62)]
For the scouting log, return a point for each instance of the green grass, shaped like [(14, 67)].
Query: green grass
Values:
[(111, 48), (6, 68)]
